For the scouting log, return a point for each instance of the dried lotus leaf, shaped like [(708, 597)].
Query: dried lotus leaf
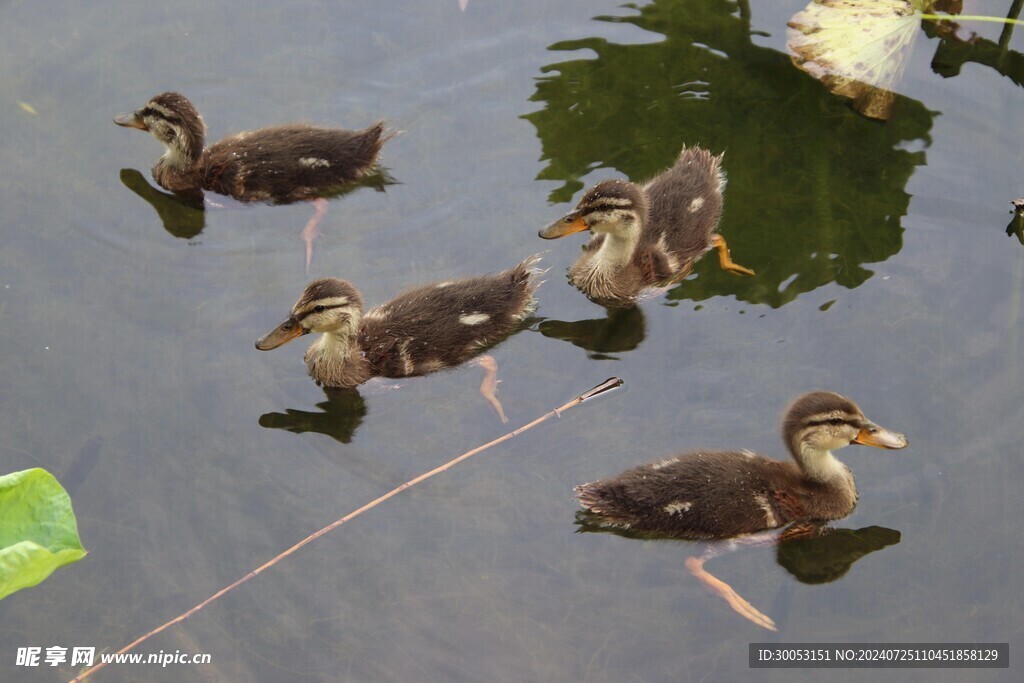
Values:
[(856, 48)]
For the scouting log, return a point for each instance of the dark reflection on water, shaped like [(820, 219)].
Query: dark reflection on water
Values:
[(183, 213), (78, 470), (953, 51), (792, 213), (1016, 226), (830, 554), (622, 329), (820, 556), (340, 416), (181, 216)]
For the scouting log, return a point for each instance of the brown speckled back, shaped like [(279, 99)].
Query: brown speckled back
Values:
[(290, 162), (444, 324), (715, 494), (686, 204)]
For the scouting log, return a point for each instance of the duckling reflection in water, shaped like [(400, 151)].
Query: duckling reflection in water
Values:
[(737, 494), (422, 330), (278, 165), (1016, 225), (339, 416), (828, 554), (647, 237), (623, 329), (185, 216)]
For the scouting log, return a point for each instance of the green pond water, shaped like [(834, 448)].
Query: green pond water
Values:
[(127, 323)]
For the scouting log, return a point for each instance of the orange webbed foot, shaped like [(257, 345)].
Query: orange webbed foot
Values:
[(725, 261)]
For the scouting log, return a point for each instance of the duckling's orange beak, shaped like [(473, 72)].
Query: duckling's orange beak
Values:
[(567, 225), (131, 119), (873, 435), (282, 334)]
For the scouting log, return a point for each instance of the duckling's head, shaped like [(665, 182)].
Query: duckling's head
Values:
[(611, 206), (821, 421), (328, 305), (172, 120)]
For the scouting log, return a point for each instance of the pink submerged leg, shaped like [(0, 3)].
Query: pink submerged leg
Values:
[(312, 229), (489, 385)]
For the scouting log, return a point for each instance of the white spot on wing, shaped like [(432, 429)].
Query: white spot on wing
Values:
[(430, 365), (313, 162), (403, 354), (606, 524), (474, 318), (696, 204), (673, 262), (664, 463), (769, 514), (678, 507)]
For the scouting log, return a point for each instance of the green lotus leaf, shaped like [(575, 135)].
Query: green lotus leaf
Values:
[(38, 529)]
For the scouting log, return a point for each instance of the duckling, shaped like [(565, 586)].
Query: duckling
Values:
[(721, 494), (422, 330), (282, 164), (728, 494), (646, 237), (278, 165)]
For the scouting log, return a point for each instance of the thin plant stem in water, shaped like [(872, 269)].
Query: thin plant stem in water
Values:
[(1007, 34), (607, 385), (970, 17)]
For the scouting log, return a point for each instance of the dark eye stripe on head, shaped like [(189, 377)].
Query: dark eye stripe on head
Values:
[(317, 309), (833, 421), (160, 114), (604, 207)]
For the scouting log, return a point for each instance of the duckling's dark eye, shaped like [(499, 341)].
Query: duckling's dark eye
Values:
[(319, 309), (837, 421)]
